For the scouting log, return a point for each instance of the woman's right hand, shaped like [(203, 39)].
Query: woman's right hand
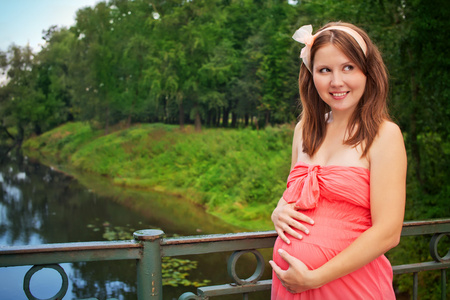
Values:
[(285, 218)]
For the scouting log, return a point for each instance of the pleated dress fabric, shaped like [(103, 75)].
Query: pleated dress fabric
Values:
[(337, 198)]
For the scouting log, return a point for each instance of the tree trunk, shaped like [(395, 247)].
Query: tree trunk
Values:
[(267, 118), (198, 122), (208, 118), (214, 118), (246, 118), (129, 114), (20, 135), (218, 118), (8, 133), (233, 119), (37, 129), (107, 121), (415, 149), (181, 114), (226, 112)]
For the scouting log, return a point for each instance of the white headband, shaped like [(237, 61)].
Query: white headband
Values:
[(304, 36)]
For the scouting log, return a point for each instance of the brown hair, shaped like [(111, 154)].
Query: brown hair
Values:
[(371, 110)]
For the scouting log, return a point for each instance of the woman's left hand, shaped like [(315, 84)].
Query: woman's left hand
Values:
[(297, 278)]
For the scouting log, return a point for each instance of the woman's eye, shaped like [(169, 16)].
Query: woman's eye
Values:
[(348, 68), (324, 70)]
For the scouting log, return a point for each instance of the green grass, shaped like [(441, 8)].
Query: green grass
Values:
[(59, 143), (238, 175)]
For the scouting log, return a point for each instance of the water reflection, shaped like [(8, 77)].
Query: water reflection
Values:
[(41, 205)]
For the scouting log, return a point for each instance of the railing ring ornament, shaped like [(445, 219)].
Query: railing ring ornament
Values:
[(64, 286), (256, 275), (433, 247), (189, 296)]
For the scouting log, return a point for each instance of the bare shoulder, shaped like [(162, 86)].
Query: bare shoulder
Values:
[(296, 143), (298, 127), (298, 132), (389, 132), (388, 144)]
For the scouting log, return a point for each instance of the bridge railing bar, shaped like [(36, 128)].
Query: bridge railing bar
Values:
[(149, 246)]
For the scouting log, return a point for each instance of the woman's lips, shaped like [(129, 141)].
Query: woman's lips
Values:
[(339, 95)]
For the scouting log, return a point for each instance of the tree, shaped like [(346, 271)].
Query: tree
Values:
[(96, 61), (22, 106), (422, 94), (52, 65), (135, 42), (186, 69)]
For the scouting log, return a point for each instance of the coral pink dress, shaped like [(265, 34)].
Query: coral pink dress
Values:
[(337, 198)]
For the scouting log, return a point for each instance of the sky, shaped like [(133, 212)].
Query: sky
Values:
[(22, 21)]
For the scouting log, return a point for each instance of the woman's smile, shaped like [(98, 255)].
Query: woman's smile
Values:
[(338, 95)]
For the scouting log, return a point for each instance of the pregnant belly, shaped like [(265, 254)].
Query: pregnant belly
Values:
[(337, 225), (312, 255)]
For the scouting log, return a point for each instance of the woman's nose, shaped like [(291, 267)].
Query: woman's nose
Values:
[(336, 79)]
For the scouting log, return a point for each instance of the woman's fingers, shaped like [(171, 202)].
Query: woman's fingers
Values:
[(293, 223), (297, 220), (276, 268), (293, 279), (289, 229), (302, 217), (282, 236), (283, 275), (287, 257), (288, 221)]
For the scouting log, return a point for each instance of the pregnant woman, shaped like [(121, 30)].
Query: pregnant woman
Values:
[(344, 203)]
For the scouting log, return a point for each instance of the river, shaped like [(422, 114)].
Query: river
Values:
[(41, 205)]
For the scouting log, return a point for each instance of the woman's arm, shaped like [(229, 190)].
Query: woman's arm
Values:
[(284, 217), (387, 158)]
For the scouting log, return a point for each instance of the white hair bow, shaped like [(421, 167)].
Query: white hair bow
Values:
[(304, 35)]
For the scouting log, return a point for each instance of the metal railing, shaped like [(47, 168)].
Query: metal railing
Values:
[(149, 247)]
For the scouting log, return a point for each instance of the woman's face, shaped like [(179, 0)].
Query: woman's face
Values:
[(339, 81)]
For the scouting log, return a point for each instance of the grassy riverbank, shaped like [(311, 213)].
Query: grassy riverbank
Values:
[(236, 174)]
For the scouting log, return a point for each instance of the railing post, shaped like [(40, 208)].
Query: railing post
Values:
[(443, 284), (415, 285), (149, 270)]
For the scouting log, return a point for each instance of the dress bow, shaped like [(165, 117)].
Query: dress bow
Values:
[(303, 189)]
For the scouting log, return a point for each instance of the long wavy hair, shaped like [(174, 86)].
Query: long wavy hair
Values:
[(371, 110)]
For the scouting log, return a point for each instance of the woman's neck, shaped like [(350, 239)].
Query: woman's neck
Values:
[(339, 119)]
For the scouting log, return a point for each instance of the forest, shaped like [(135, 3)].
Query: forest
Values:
[(228, 64)]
